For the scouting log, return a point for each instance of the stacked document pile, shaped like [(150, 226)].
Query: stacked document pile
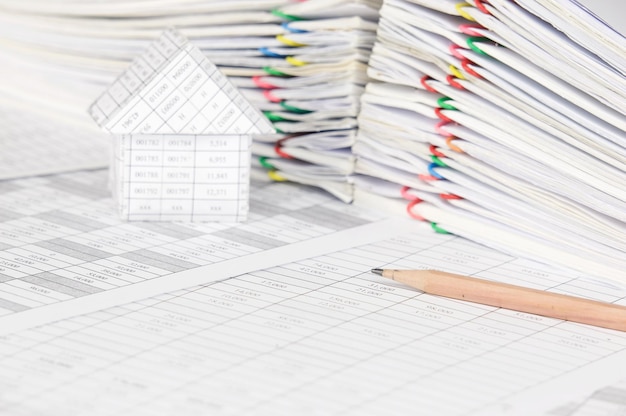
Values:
[(302, 62), (502, 122), (58, 56), (67, 52), (311, 91)]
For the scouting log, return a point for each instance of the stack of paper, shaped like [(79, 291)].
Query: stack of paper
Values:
[(57, 47), (302, 63), (502, 122), (58, 56), (312, 92)]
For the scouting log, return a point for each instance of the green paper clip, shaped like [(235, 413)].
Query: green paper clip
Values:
[(443, 103), (273, 117), (286, 16), (438, 161), (471, 42), (263, 161), (293, 109), (438, 229), (271, 71)]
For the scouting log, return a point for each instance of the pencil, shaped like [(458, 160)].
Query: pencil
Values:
[(518, 298)]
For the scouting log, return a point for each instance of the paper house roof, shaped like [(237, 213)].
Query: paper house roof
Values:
[(173, 88)]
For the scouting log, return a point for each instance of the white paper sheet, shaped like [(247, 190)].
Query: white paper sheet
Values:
[(320, 336), (32, 143), (610, 400), (63, 251), (182, 177)]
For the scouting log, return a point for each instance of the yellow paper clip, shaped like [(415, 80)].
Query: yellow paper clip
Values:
[(287, 41)]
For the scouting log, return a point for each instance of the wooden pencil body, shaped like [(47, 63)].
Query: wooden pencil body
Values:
[(513, 297)]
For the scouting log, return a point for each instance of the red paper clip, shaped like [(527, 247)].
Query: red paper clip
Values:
[(481, 6), (454, 50), (404, 192), (426, 177), (452, 80), (259, 82), (449, 196), (441, 116), (409, 210), (465, 63), (439, 128), (434, 151), (271, 97), (426, 86), (467, 29), (279, 151)]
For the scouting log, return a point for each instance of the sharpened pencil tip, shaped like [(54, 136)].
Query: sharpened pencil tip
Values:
[(377, 271)]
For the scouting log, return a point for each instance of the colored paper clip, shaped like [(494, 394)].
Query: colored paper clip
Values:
[(449, 197), (480, 5), (452, 80), (271, 97), (431, 170), (295, 61), (287, 41), (455, 71), (267, 52), (261, 83), (271, 71), (435, 152), (280, 152), (438, 229), (409, 209), (293, 109), (290, 17), (441, 116), (472, 40), (273, 117), (454, 50), (438, 161), (427, 178), (439, 128), (263, 161), (404, 192), (425, 84), (287, 26), (467, 28), (452, 146), (275, 176), (443, 103), (459, 8), (465, 63)]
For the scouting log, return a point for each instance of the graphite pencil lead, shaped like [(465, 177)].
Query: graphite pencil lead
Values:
[(377, 271)]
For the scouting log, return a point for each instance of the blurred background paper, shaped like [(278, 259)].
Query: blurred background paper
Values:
[(58, 56), (302, 63)]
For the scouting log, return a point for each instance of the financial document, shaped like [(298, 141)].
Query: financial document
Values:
[(183, 178), (183, 150), (320, 336), (32, 143), (608, 401), (173, 88), (64, 251)]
